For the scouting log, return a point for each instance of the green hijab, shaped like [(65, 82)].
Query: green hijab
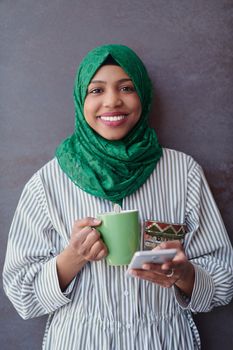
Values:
[(110, 169)]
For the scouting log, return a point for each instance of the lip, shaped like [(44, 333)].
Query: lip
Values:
[(112, 123), (113, 114)]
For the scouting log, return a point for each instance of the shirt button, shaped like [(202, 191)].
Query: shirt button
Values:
[(126, 293), (128, 326)]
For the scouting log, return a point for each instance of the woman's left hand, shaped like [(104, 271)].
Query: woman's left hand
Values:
[(178, 271)]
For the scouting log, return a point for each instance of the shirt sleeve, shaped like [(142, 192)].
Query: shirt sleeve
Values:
[(29, 275), (207, 246)]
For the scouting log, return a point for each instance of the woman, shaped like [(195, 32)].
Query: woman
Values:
[(55, 258)]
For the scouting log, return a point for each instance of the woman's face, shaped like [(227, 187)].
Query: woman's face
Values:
[(112, 106)]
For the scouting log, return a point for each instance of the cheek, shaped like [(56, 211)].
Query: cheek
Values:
[(137, 107), (92, 104), (86, 105), (88, 108), (85, 112)]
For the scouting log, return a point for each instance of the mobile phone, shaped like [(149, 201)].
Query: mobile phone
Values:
[(151, 256)]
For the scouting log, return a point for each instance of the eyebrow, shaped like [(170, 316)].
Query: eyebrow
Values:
[(104, 82)]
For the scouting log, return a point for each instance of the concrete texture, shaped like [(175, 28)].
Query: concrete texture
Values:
[(187, 47)]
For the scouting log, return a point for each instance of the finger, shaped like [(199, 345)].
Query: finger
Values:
[(176, 244), (89, 221), (158, 247), (95, 250), (172, 265), (102, 254), (180, 256), (82, 235), (87, 240), (160, 268), (155, 268), (91, 235), (160, 279), (178, 261)]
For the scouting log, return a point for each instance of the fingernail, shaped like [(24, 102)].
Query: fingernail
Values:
[(146, 267), (96, 221), (132, 272), (165, 267)]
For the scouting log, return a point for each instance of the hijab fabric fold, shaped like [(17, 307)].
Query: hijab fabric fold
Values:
[(110, 169)]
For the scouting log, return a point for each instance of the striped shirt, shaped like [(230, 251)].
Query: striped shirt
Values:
[(102, 309)]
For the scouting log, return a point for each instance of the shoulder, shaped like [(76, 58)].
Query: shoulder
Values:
[(52, 177), (50, 170), (47, 175), (178, 159), (171, 154)]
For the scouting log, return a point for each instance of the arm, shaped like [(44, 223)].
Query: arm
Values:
[(31, 257), (39, 263), (203, 268), (207, 247), (178, 272), (85, 245)]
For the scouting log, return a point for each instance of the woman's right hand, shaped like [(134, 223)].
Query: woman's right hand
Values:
[(85, 245), (85, 240)]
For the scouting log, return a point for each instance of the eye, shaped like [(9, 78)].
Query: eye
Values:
[(95, 91), (127, 88)]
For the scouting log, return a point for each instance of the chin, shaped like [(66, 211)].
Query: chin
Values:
[(113, 137)]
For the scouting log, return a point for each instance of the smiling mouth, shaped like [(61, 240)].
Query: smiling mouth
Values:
[(114, 118)]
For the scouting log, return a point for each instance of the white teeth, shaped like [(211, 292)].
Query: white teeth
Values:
[(113, 118)]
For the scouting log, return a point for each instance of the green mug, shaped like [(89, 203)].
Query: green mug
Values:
[(121, 234)]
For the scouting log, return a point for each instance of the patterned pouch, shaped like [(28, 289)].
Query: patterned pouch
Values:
[(156, 232)]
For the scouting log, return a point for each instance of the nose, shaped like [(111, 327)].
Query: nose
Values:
[(112, 99)]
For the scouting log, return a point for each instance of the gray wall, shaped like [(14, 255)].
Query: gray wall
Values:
[(187, 46)]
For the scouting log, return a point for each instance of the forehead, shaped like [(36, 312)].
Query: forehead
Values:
[(109, 73)]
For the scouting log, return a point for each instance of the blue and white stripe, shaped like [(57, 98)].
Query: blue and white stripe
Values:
[(102, 309)]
